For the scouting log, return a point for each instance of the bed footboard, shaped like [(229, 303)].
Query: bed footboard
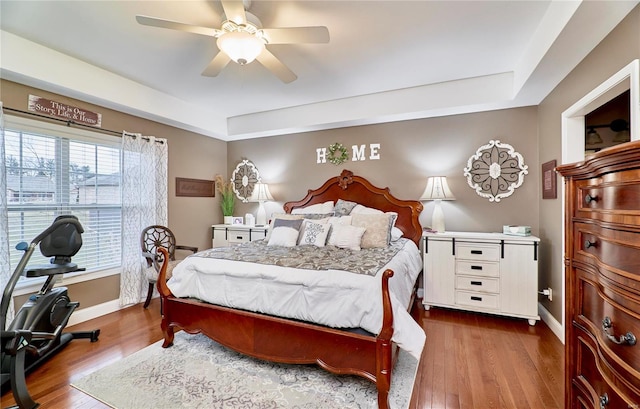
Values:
[(284, 340)]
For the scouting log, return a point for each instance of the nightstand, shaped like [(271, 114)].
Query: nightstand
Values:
[(229, 234), (486, 272)]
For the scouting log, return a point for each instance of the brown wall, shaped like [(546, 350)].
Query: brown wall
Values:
[(410, 152), (617, 50), (191, 155)]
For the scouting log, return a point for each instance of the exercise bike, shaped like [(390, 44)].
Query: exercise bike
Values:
[(35, 333)]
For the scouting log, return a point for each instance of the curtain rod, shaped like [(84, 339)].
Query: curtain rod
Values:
[(69, 123)]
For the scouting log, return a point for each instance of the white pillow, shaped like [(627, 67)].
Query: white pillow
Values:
[(396, 233), (339, 220), (285, 232), (346, 236), (326, 207), (315, 234), (360, 209)]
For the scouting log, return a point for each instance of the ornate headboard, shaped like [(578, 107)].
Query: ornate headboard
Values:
[(360, 190)]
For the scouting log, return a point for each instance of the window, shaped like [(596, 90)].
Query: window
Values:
[(53, 170)]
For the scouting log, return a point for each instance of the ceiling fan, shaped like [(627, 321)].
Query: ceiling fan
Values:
[(242, 39)]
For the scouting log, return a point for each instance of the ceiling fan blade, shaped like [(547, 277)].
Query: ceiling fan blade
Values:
[(273, 64), (234, 10), (216, 65), (293, 35), (174, 25)]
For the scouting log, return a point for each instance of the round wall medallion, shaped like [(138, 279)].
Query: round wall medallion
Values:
[(495, 170), (244, 177)]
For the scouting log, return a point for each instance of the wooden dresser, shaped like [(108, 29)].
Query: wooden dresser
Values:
[(602, 259)]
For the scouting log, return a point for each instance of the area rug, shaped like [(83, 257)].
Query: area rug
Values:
[(196, 372)]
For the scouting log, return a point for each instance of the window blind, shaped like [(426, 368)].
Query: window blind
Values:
[(50, 173)]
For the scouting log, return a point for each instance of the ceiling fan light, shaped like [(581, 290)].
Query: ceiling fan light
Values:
[(240, 46)]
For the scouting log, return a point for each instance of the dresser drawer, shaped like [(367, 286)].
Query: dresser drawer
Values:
[(610, 197), (609, 315), (477, 300), (615, 253), (238, 236), (481, 284), (590, 387), (479, 252), (478, 268)]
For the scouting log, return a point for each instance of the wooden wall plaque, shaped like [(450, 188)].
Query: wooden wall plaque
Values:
[(195, 187)]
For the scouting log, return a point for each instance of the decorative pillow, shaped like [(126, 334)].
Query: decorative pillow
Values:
[(285, 232), (346, 236), (285, 216), (344, 207), (378, 229), (315, 234), (324, 220), (326, 207), (314, 216)]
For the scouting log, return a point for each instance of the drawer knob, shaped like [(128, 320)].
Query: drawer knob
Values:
[(626, 339), (588, 244), (604, 400), (588, 198)]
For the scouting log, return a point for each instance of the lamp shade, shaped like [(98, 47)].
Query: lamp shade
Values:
[(437, 189), (593, 137), (260, 193), (240, 46)]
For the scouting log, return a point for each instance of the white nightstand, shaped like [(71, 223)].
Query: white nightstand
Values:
[(223, 235), (486, 272)]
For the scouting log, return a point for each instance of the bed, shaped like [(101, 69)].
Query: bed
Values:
[(369, 354)]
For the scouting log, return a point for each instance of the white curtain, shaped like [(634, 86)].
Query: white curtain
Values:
[(5, 267), (144, 203)]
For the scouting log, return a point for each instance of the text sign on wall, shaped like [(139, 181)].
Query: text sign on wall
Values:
[(64, 111), (337, 153)]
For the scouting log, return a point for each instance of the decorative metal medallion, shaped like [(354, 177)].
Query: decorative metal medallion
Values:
[(495, 170), (244, 177)]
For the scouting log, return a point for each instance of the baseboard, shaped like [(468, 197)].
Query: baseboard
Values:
[(551, 322), (89, 313)]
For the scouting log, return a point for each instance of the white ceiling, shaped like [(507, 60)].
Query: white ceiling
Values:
[(386, 60)]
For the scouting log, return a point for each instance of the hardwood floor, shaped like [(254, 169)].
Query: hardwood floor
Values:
[(481, 361), (469, 361)]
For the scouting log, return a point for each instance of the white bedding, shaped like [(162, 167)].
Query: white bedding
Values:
[(330, 297)]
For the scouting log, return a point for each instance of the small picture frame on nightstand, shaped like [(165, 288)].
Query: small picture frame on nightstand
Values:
[(238, 220)]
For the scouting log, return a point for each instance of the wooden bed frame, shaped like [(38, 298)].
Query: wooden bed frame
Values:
[(288, 341)]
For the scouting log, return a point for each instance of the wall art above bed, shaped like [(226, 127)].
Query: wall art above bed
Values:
[(495, 170)]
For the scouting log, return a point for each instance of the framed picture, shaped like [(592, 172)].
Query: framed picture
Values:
[(195, 187), (549, 176), (238, 220)]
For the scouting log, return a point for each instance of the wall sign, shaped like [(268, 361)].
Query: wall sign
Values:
[(337, 153), (495, 170), (195, 187), (63, 111)]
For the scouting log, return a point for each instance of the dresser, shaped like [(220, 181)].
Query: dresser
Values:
[(486, 272), (223, 235), (602, 273)]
